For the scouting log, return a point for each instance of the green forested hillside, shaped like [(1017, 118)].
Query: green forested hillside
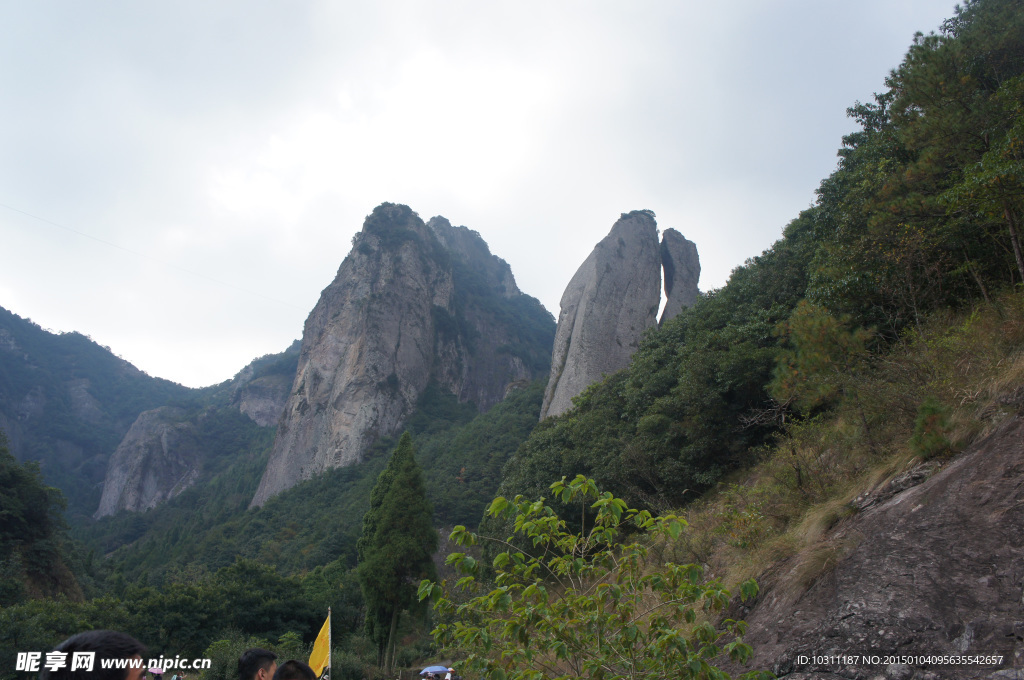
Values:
[(884, 308), (921, 214), (204, 571), (33, 551), (66, 402), (208, 526)]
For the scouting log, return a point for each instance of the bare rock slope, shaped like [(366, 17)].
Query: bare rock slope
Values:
[(934, 569), (158, 458), (166, 449), (412, 302)]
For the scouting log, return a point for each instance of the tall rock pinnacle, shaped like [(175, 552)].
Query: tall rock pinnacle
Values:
[(412, 302), (682, 271), (610, 301)]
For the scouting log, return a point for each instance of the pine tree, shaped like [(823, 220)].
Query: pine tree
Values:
[(396, 547)]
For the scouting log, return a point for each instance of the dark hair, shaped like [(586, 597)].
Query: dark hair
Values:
[(107, 644), (294, 670), (253, 660)]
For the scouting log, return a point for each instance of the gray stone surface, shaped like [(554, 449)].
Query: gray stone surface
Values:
[(936, 568), (392, 320), (261, 389), (468, 246), (610, 301), (681, 271), (158, 458), (263, 399), (83, 405)]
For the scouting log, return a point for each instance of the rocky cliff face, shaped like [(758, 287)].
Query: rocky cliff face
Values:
[(66, 402), (412, 302), (264, 398), (158, 458), (166, 450), (932, 567), (681, 265), (612, 299), (261, 389)]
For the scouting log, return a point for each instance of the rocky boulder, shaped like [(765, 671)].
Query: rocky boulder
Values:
[(158, 458)]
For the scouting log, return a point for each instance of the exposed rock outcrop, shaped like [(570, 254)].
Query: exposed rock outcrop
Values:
[(471, 250), (411, 303), (681, 265), (261, 389), (610, 301), (264, 399), (83, 405), (158, 458), (66, 402), (935, 568)]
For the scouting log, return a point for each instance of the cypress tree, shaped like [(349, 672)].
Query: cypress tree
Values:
[(396, 547)]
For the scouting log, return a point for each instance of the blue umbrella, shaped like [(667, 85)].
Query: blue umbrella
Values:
[(434, 669)]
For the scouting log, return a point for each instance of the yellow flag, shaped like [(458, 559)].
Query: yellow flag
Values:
[(321, 656)]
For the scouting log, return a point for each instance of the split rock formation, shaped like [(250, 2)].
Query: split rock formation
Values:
[(612, 299)]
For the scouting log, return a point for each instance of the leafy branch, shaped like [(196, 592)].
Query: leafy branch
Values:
[(585, 603)]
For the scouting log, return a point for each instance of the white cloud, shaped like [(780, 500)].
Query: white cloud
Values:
[(236, 147)]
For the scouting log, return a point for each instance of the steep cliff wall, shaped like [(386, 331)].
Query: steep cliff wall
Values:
[(412, 302), (681, 266), (612, 299)]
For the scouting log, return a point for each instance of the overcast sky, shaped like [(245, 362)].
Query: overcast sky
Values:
[(180, 180)]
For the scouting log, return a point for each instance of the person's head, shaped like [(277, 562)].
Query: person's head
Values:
[(106, 644), (257, 664), (294, 670)]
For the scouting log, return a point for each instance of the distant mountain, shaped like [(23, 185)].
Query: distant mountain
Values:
[(423, 329), (67, 402), (414, 305), (170, 448), (82, 412)]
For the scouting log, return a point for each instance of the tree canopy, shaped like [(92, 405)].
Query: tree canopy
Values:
[(397, 545), (585, 603), (32, 532)]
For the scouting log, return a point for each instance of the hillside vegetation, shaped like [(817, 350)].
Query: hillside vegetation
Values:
[(883, 331), (318, 521), (920, 217), (66, 402)]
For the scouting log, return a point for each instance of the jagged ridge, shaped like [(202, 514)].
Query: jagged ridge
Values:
[(411, 302)]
